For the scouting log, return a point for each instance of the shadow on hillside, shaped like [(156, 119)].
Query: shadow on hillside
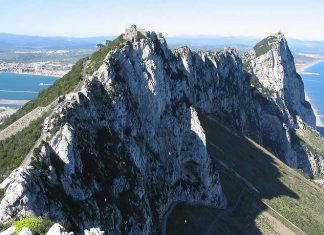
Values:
[(248, 175)]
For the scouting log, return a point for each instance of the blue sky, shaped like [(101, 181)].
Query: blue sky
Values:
[(303, 19)]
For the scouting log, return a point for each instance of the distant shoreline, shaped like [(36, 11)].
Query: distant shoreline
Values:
[(300, 69), (34, 74), (5, 113), (15, 102)]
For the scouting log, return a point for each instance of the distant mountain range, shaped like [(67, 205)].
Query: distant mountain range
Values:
[(12, 42)]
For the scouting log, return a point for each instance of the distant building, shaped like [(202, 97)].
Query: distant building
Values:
[(134, 34)]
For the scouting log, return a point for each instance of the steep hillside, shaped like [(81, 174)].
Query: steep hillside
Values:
[(272, 63), (23, 135), (273, 71), (281, 188), (61, 87), (128, 143), (264, 194)]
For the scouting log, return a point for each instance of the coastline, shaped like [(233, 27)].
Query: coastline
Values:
[(6, 112), (8, 102), (300, 69), (36, 74), (319, 123)]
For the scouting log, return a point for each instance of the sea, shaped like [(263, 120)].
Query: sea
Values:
[(313, 78), (17, 88)]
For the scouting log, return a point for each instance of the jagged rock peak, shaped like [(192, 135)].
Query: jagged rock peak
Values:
[(272, 66), (135, 122), (133, 34)]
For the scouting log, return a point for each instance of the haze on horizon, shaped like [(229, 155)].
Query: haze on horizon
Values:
[(300, 19)]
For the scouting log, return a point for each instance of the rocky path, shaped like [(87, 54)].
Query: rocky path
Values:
[(44, 135), (23, 122), (30, 154)]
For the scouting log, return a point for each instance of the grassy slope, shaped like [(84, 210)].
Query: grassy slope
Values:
[(264, 46), (285, 190), (311, 140), (98, 56), (61, 86), (14, 149)]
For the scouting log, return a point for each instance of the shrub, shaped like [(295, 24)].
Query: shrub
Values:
[(14, 149), (264, 46), (98, 57), (2, 192), (38, 226), (266, 92), (4, 227)]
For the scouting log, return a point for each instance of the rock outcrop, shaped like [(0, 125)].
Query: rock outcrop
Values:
[(131, 144), (130, 147), (273, 71), (272, 64)]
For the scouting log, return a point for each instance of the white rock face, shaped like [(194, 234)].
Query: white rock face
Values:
[(134, 125), (9, 231), (25, 231), (133, 145), (273, 65), (93, 231), (57, 229)]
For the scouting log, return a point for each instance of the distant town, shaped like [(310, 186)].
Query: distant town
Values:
[(45, 68)]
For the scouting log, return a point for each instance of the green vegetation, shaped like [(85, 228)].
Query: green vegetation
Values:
[(264, 46), (311, 140), (98, 56), (36, 225), (61, 86), (2, 192), (287, 191), (283, 189), (14, 149), (266, 92), (246, 66), (4, 227)]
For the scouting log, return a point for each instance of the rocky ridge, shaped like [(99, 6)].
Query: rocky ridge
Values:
[(272, 64), (273, 71), (131, 144)]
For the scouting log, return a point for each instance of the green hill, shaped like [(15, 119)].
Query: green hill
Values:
[(245, 169)]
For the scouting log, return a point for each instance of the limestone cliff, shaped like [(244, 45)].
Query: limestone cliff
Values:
[(273, 72), (130, 144), (272, 63)]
